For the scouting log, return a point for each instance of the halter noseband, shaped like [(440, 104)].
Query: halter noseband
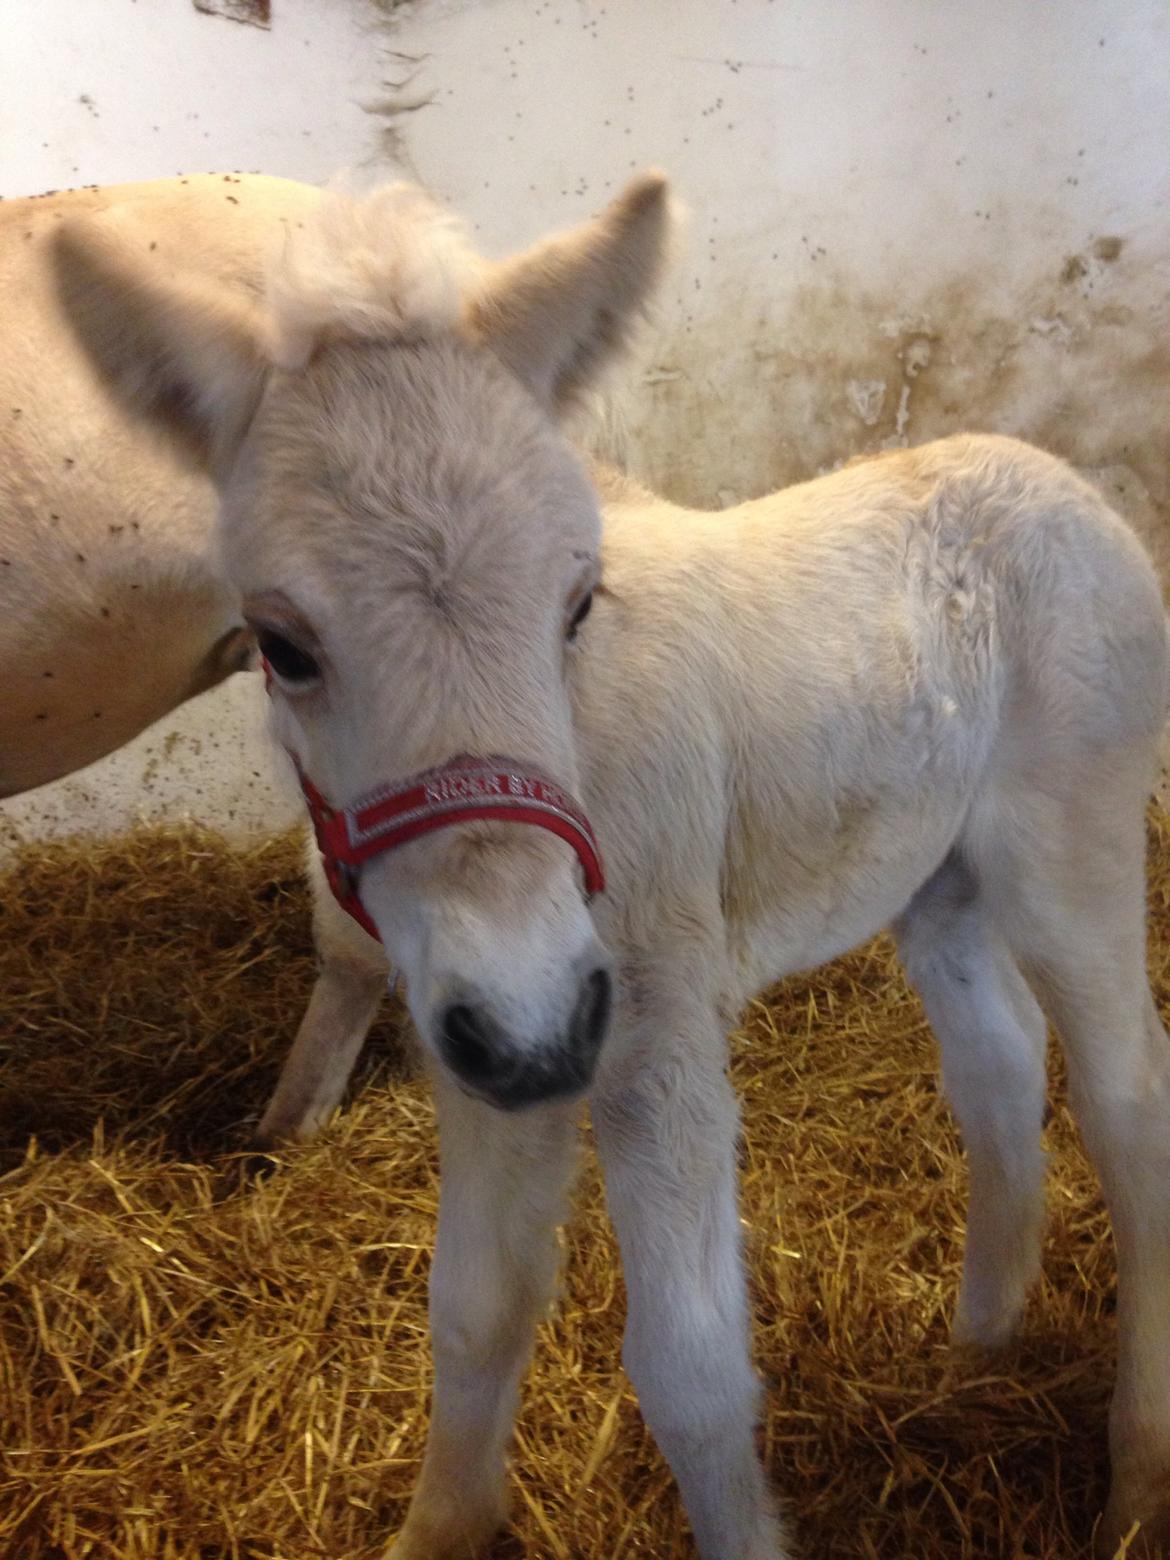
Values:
[(462, 790)]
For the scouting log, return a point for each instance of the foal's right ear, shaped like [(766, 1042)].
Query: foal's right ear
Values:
[(172, 350), (557, 313)]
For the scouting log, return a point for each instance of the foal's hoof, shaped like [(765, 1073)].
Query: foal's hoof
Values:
[(423, 1546), (988, 1328), (454, 1534)]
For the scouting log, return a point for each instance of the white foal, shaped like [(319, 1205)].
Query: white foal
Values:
[(924, 691)]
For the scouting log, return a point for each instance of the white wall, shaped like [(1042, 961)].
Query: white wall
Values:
[(103, 91), (907, 216)]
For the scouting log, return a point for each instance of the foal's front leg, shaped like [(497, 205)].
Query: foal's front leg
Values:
[(505, 1181), (666, 1124)]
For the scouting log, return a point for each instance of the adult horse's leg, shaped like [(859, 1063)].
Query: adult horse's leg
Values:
[(504, 1191), (350, 985), (666, 1122), (991, 1032), (1063, 862)]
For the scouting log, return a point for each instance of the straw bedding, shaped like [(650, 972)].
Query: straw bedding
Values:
[(201, 1362)]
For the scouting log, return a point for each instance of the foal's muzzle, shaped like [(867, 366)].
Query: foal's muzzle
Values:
[(488, 1064)]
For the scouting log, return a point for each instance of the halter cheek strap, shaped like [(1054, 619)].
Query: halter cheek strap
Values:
[(462, 790)]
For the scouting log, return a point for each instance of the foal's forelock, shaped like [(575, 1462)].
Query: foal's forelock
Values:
[(394, 266)]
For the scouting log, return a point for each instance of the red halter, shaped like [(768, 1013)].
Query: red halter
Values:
[(460, 791)]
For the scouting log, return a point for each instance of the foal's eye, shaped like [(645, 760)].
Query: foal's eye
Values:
[(290, 663), (579, 616)]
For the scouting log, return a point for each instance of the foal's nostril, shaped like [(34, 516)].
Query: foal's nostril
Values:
[(591, 1015), (468, 1040)]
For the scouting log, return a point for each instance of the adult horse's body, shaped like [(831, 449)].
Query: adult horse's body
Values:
[(112, 611), (926, 690)]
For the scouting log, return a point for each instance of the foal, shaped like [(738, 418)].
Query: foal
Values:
[(923, 691)]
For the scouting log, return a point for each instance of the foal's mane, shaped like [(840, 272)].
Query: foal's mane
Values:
[(392, 265)]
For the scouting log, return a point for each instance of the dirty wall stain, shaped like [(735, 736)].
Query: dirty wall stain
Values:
[(255, 13), (763, 384)]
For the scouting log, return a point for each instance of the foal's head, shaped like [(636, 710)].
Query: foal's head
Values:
[(416, 546)]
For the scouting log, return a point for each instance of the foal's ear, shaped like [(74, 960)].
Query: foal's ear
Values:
[(556, 313), (173, 350)]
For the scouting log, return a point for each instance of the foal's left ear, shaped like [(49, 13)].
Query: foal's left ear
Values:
[(557, 313)]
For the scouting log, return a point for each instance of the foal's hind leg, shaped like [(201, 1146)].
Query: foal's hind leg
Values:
[(1066, 875), (991, 1032), (350, 985)]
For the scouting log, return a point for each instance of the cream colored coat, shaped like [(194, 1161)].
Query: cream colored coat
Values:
[(111, 609)]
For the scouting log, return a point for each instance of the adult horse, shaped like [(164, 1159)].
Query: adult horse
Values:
[(113, 609), (925, 691)]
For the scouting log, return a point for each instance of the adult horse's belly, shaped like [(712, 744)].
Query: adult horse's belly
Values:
[(80, 688), (111, 612)]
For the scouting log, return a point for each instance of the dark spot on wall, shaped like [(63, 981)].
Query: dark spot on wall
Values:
[(80, 557), (1073, 269), (253, 13), (1108, 246)]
